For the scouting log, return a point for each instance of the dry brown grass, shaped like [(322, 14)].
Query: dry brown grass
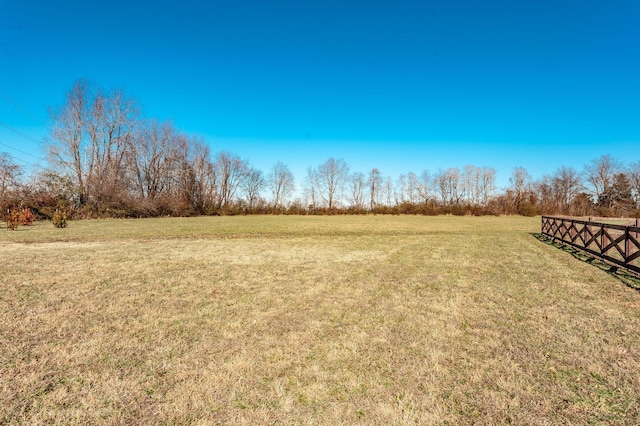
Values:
[(311, 320)]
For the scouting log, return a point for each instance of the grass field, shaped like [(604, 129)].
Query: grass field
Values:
[(311, 320)]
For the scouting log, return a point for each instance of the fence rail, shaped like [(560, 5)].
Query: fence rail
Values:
[(617, 244)]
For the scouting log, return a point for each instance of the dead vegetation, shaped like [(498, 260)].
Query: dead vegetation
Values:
[(307, 320)]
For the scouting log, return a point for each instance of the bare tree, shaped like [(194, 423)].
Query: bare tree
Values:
[(472, 178), (204, 175), (544, 191), (447, 183), (401, 190), (600, 175), (253, 185), (311, 188), (357, 190), (424, 185), (440, 185), (331, 177), (89, 139), (634, 181), (456, 188), (69, 148), (281, 184), (520, 184), (231, 172), (109, 124), (566, 185), (153, 158), (388, 191), (193, 186), (375, 183), (487, 185), (10, 174), (413, 186)]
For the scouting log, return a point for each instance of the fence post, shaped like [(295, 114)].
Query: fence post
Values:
[(629, 249), (627, 244)]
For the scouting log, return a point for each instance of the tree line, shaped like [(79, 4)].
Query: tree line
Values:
[(104, 159)]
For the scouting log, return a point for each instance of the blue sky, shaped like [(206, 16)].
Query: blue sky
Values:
[(398, 85)]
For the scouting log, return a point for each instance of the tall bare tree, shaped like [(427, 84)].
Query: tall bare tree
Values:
[(413, 186), (231, 172), (109, 125), (472, 178), (331, 177), (375, 185), (192, 186), (311, 188), (68, 147), (401, 191), (520, 184), (600, 175), (487, 185), (447, 183), (357, 190), (89, 139), (547, 201), (253, 185), (566, 185), (634, 180), (281, 183), (424, 185), (153, 158), (10, 173), (204, 174), (388, 191)]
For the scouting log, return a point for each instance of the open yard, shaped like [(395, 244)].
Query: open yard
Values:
[(311, 320)]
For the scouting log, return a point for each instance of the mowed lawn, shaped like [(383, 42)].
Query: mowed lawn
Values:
[(311, 320)]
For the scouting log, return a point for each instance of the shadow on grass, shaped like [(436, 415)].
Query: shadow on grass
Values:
[(621, 274)]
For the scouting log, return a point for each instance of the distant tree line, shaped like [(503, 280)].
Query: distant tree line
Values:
[(106, 160)]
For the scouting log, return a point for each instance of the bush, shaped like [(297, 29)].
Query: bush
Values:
[(526, 209), (59, 219), (13, 218), (26, 217)]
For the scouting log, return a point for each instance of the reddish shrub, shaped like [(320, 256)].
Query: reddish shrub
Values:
[(26, 217)]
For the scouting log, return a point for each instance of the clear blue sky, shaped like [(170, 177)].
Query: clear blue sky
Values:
[(398, 85)]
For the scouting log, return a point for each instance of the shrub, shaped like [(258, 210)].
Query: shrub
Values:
[(12, 218), (26, 217), (526, 209), (59, 219)]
